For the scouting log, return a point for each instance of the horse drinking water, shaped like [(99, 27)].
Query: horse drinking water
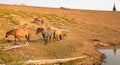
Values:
[(46, 34), (18, 33)]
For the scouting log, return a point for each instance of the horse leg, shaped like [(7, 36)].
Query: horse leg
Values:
[(53, 37), (49, 39), (60, 37), (26, 36), (15, 41), (56, 38), (53, 40), (18, 40), (46, 40)]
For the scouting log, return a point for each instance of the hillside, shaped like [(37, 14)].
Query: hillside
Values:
[(84, 26)]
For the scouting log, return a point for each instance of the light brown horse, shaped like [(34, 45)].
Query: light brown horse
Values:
[(18, 33), (59, 35)]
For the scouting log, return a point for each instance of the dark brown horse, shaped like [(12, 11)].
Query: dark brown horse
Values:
[(47, 34), (18, 33)]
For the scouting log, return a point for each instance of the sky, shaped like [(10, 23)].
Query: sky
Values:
[(75, 4)]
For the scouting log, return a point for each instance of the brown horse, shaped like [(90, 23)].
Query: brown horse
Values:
[(18, 33), (59, 35)]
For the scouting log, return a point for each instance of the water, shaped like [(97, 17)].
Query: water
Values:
[(113, 56)]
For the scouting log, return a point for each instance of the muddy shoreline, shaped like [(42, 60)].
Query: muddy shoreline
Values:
[(99, 57)]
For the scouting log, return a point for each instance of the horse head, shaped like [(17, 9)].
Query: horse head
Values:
[(7, 34), (11, 32), (39, 30)]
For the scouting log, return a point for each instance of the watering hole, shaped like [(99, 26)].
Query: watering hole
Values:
[(112, 56)]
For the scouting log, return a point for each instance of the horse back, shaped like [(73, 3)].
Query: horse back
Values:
[(57, 32), (47, 33), (22, 32), (12, 32)]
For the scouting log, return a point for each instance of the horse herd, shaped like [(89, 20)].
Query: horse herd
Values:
[(47, 34)]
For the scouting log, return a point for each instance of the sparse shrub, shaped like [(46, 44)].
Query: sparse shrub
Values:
[(9, 17), (16, 22), (23, 14)]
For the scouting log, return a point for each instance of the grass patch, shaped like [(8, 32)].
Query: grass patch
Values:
[(8, 12), (6, 25), (3, 41), (15, 22), (9, 59), (58, 50), (50, 17), (23, 14)]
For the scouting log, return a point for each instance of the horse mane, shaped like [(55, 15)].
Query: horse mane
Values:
[(12, 32), (40, 29)]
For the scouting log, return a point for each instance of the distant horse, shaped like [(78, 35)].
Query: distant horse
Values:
[(18, 33), (47, 34), (38, 21)]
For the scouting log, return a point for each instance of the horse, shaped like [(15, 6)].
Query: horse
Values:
[(18, 33), (59, 35), (38, 21), (46, 34)]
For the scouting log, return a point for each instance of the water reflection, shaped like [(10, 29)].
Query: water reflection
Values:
[(113, 56), (115, 50)]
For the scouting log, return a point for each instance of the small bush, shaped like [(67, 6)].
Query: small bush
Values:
[(9, 17), (16, 22)]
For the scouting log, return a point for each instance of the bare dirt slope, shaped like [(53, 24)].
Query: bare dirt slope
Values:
[(84, 26)]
